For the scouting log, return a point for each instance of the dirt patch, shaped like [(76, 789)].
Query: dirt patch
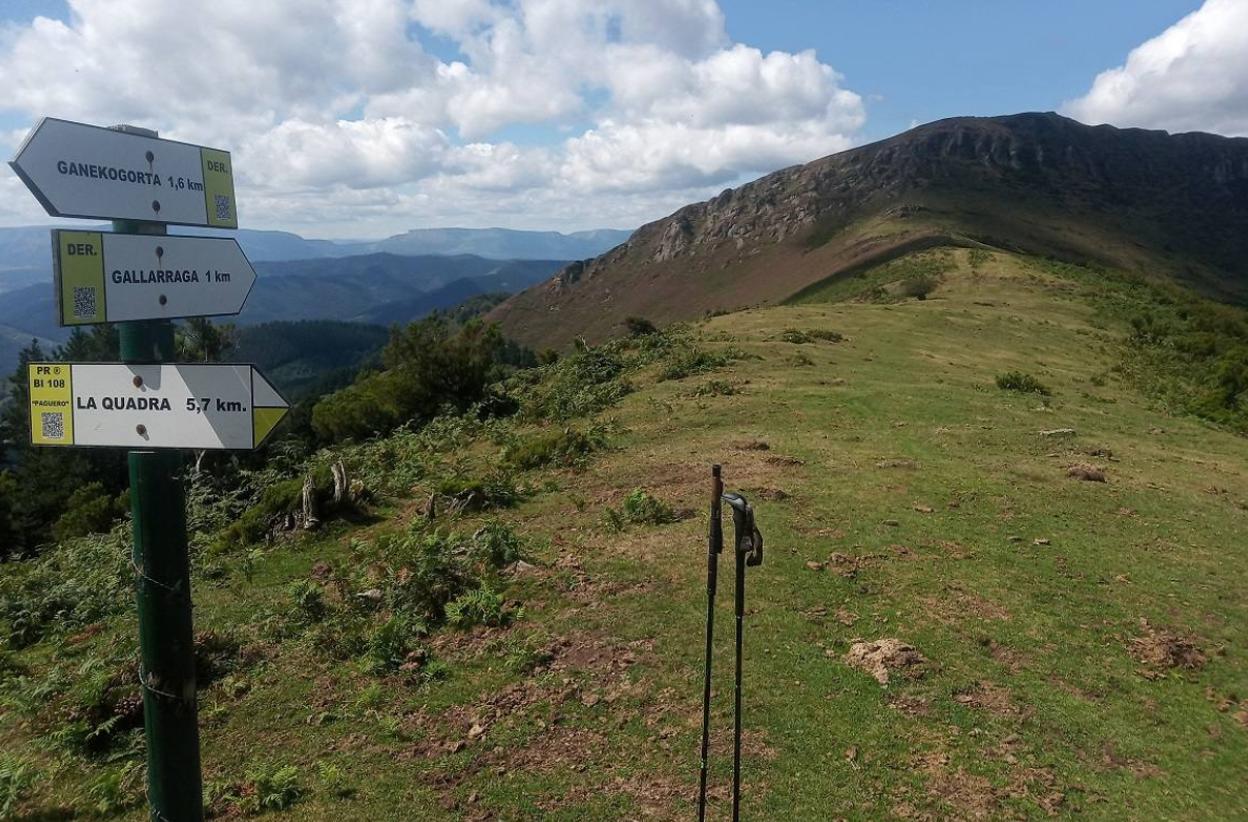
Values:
[(897, 463), (986, 696), (1162, 649), (778, 459), (957, 605), (970, 796), (1140, 769), (751, 445), (772, 494), (1087, 473), (884, 658)]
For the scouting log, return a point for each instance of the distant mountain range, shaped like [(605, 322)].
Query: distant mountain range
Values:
[(395, 280), (25, 252), (371, 288), (1168, 205)]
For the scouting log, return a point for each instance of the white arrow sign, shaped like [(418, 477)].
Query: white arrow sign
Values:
[(108, 278), (77, 170), (142, 407)]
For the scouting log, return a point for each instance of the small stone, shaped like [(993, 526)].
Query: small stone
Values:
[(891, 523), (923, 509), (814, 566), (1014, 538), (851, 753), (1040, 541), (476, 730)]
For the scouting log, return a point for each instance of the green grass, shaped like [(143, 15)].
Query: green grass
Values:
[(894, 449)]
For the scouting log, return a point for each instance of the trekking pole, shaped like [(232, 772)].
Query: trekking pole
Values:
[(749, 550), (714, 545)]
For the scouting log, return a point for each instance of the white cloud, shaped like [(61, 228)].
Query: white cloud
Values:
[(1191, 77), (338, 117)]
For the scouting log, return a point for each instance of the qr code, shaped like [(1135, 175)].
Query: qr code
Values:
[(223, 206), (84, 302), (53, 424)]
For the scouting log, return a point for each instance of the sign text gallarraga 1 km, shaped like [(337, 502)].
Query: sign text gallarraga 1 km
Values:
[(125, 405), (124, 277), (78, 170)]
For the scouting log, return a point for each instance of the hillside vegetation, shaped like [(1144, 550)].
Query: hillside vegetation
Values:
[(1174, 206), (1020, 480)]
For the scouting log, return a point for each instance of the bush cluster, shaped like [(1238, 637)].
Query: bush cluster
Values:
[(1023, 383), (639, 508)]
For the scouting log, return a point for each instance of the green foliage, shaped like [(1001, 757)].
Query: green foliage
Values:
[(393, 641), (919, 286), (978, 256), (692, 360), (89, 510), (583, 383), (429, 366), (66, 588), (639, 508), (1023, 383), (799, 337), (117, 789), (716, 388), (471, 493), (17, 777), (275, 503), (564, 447), (496, 546), (271, 788), (308, 602), (332, 781), (478, 607)]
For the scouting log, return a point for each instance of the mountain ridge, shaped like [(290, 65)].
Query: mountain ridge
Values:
[(1038, 183)]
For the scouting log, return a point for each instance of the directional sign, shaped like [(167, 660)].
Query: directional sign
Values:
[(142, 407), (108, 278), (77, 170)]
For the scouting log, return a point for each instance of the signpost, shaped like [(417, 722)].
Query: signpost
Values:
[(77, 170), (121, 277), (208, 407), (142, 278)]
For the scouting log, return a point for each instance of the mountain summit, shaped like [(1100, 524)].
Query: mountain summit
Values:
[(1170, 204)]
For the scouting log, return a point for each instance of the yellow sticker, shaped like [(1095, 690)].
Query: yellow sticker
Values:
[(80, 276), (219, 188), (51, 403), (264, 420)]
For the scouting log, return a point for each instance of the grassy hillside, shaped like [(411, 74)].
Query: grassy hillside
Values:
[(1082, 642)]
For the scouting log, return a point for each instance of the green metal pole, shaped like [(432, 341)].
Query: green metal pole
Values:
[(163, 591)]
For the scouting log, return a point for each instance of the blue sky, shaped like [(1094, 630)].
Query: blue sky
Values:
[(921, 60), (572, 114)]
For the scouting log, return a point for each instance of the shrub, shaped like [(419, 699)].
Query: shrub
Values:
[(1023, 383), (495, 490), (565, 447), (577, 385), (978, 256), (639, 326), (69, 586), (429, 365), (716, 388), (309, 602), (393, 641), (480, 607), (919, 286), (272, 788), (332, 781), (692, 360), (16, 779), (89, 510), (639, 508), (496, 545)]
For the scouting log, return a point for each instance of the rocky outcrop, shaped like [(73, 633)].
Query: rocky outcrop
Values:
[(1033, 182)]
